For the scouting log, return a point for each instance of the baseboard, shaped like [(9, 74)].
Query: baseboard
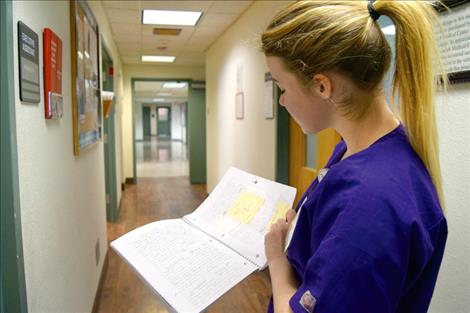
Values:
[(104, 270), (130, 181)]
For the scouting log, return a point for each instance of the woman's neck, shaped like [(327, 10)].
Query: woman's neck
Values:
[(360, 134)]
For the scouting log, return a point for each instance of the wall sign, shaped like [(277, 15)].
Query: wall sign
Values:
[(28, 61), (455, 46), (52, 74)]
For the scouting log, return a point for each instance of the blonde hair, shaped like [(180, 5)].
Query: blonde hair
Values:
[(317, 36)]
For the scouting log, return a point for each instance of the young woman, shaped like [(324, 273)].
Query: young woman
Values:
[(370, 235)]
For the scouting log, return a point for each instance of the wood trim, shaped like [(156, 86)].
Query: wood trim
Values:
[(326, 141), (104, 270), (301, 176), (130, 181), (296, 158)]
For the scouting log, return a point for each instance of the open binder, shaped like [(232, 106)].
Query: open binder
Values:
[(192, 261)]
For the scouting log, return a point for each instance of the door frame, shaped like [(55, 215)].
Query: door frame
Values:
[(13, 297), (109, 144), (134, 108)]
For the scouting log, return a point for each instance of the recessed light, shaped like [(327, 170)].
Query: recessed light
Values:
[(174, 85), (165, 17), (157, 58)]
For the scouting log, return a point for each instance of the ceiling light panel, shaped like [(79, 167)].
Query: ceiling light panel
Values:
[(174, 18), (157, 58)]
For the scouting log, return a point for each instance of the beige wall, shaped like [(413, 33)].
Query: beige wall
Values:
[(452, 292), (146, 71), (249, 144), (62, 197)]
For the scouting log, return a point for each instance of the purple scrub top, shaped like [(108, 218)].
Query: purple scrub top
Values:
[(371, 235)]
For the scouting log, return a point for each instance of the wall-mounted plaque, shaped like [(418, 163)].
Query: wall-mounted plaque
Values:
[(28, 61), (455, 46)]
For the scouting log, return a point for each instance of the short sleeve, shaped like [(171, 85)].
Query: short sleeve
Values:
[(341, 277)]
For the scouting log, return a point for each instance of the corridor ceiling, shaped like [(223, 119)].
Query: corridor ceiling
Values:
[(147, 91), (134, 39)]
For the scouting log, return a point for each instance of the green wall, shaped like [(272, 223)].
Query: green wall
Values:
[(197, 133)]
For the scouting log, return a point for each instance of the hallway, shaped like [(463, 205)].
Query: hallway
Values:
[(157, 157), (153, 199)]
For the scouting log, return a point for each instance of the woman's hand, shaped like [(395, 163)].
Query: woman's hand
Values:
[(275, 239)]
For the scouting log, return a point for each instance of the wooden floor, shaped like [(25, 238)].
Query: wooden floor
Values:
[(150, 200)]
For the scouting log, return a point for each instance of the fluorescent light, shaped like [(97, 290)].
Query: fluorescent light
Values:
[(157, 58), (164, 17), (158, 100), (164, 94), (389, 30), (174, 85)]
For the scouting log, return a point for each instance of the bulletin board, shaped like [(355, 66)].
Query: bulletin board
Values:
[(86, 95)]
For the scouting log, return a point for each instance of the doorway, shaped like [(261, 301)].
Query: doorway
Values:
[(168, 110), (146, 123)]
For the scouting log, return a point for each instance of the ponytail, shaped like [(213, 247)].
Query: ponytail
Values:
[(418, 72), (341, 35)]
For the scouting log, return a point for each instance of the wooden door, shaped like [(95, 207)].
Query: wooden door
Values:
[(302, 174)]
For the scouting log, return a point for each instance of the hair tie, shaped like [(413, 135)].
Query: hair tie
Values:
[(373, 13)]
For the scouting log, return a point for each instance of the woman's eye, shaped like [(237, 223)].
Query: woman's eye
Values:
[(282, 91)]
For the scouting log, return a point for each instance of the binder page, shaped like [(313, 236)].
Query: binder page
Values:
[(189, 269), (241, 209)]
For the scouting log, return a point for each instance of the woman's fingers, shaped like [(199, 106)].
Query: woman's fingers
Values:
[(290, 215)]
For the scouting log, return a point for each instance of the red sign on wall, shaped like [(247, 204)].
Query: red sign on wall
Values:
[(52, 74)]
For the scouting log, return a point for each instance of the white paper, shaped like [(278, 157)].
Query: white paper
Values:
[(223, 214), (189, 269)]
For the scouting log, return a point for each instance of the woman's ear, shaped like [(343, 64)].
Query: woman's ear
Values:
[(322, 86)]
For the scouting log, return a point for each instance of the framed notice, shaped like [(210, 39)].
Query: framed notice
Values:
[(86, 94), (455, 46)]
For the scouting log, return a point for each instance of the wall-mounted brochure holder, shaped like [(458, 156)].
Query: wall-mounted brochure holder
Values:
[(107, 97), (52, 75)]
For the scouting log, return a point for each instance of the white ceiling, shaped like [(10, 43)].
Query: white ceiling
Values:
[(147, 91), (134, 39)]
